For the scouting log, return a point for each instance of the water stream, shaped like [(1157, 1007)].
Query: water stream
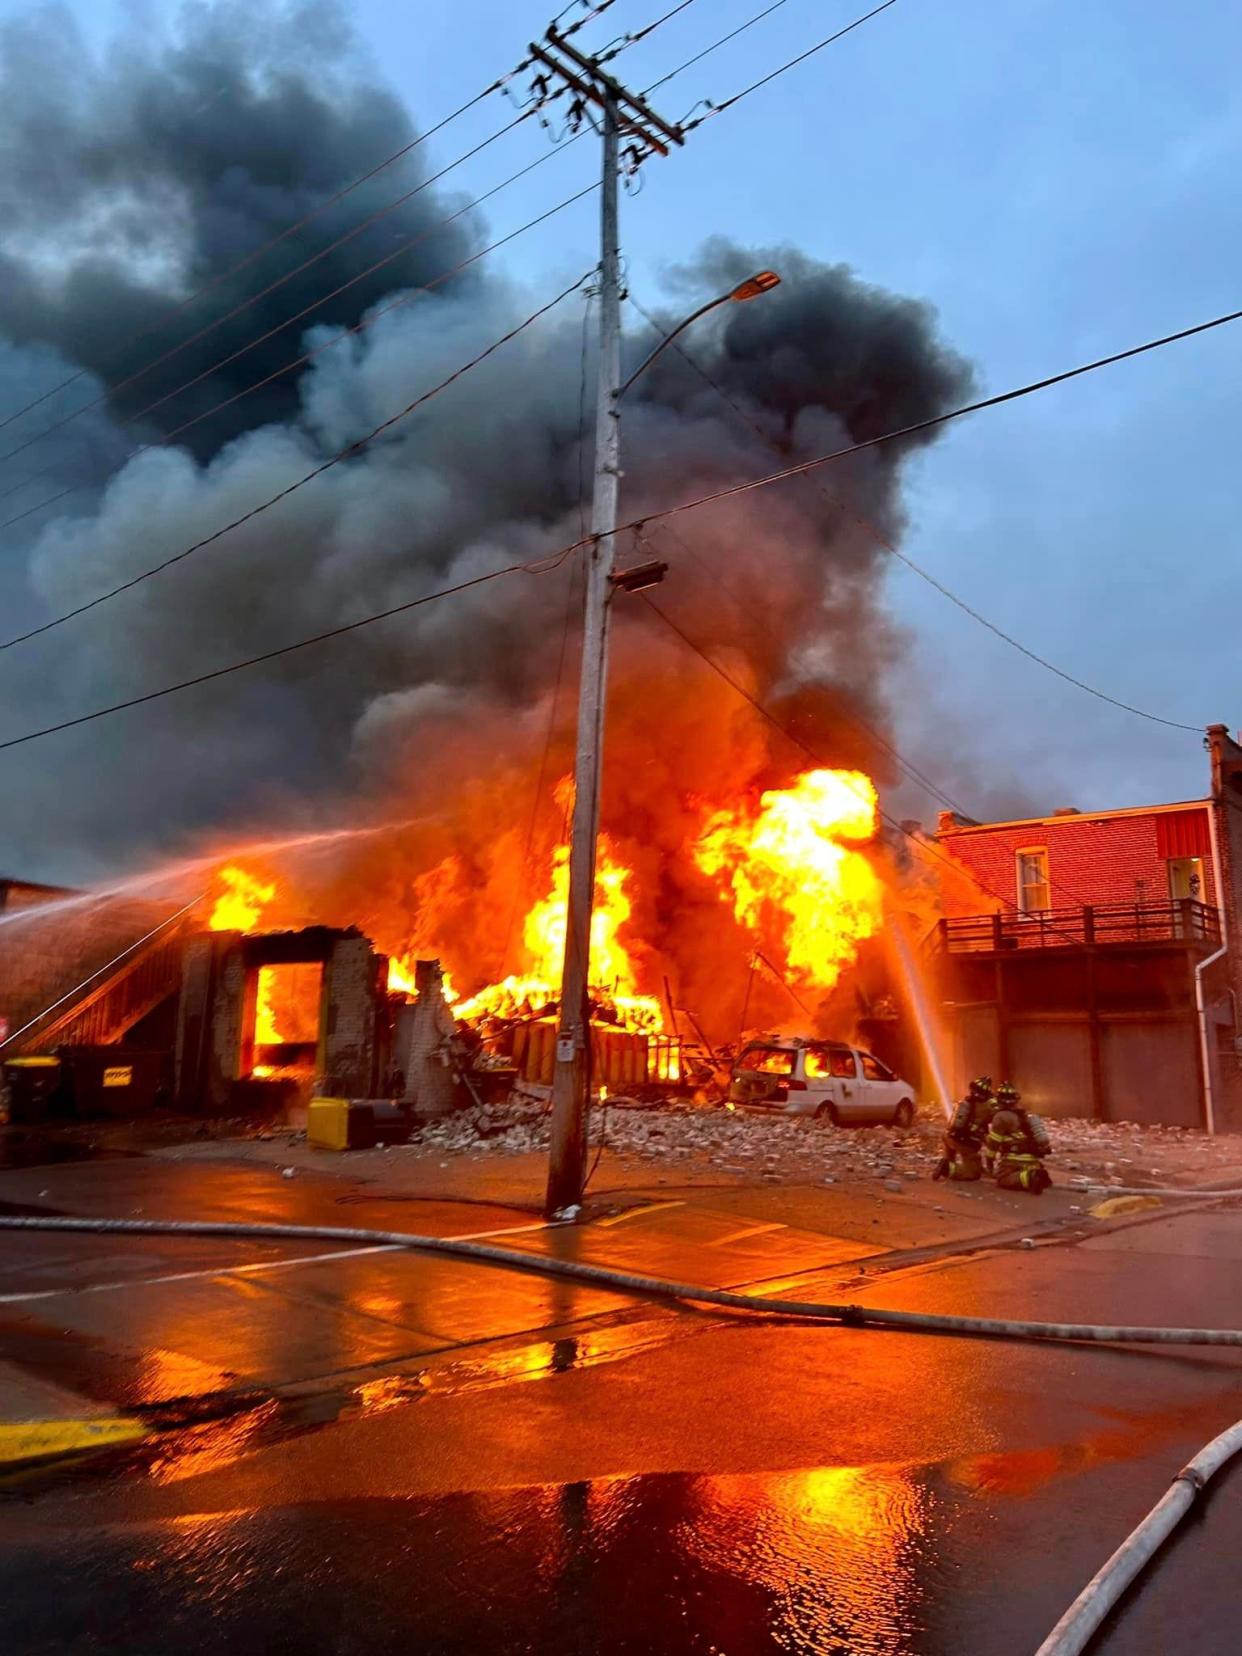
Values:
[(919, 1003)]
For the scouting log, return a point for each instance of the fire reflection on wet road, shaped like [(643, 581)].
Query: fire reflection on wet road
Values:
[(827, 1560), (373, 1452)]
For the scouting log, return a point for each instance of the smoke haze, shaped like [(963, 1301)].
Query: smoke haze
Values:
[(129, 182)]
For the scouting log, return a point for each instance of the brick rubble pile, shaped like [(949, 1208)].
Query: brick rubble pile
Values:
[(792, 1150)]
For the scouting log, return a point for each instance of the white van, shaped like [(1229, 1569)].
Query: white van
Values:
[(785, 1075)]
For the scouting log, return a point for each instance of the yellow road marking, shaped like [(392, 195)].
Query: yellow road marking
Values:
[(26, 1440), (638, 1212), (751, 1230)]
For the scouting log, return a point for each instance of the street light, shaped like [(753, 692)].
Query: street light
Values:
[(761, 282)]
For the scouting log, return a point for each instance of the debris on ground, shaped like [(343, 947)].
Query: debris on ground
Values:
[(795, 1150)]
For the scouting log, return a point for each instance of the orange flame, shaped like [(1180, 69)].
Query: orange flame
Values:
[(241, 903), (543, 936), (794, 873), (239, 907)]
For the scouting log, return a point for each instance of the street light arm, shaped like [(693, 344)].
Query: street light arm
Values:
[(751, 288), (711, 305)]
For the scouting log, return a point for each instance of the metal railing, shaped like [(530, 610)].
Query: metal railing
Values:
[(1183, 920), (114, 996)]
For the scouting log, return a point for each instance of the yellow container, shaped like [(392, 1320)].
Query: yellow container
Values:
[(327, 1123)]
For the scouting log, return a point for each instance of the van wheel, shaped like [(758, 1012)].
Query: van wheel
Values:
[(828, 1113), (903, 1116)]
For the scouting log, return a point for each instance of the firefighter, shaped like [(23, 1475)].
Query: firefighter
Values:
[(1016, 1145), (962, 1159)]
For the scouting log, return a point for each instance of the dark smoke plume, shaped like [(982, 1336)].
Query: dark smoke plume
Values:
[(126, 185), (176, 158)]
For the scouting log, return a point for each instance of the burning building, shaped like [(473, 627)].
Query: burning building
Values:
[(264, 1000)]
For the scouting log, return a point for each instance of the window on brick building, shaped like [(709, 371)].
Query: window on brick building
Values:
[(1033, 891)]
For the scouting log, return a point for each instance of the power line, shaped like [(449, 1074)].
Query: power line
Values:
[(720, 580), (934, 420), (708, 50), (626, 40), (910, 769), (248, 259), (539, 567), (341, 454), (253, 299), (889, 546), (762, 482), (719, 109), (356, 328), (919, 843), (592, 12)]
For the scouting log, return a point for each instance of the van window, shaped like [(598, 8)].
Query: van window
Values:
[(873, 1069), (837, 1061), (768, 1060)]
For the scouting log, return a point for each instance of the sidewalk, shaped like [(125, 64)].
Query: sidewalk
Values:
[(872, 1186)]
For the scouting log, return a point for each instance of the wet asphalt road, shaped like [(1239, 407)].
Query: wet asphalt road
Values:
[(381, 1453)]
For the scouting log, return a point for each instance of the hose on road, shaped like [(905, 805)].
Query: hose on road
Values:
[(1074, 1630), (626, 1282), (1171, 1192)]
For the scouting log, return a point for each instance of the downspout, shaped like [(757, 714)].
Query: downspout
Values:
[(1205, 1045)]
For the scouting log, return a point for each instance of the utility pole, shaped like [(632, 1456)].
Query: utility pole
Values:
[(620, 112)]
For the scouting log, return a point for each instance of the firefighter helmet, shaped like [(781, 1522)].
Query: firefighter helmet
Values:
[(981, 1087), (1007, 1095)]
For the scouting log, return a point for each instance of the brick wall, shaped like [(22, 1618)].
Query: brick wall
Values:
[(425, 1030), (1095, 860), (351, 988)]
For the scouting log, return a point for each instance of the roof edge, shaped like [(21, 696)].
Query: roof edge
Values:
[(1076, 816)]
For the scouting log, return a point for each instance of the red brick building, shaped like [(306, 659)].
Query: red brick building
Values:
[(1092, 956)]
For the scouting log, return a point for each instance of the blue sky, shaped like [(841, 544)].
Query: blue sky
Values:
[(1059, 181)]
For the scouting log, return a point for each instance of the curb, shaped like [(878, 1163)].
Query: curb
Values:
[(23, 1442)]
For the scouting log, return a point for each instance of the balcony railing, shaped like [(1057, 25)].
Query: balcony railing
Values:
[(1181, 921)]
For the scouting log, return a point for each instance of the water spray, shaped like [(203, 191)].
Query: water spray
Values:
[(920, 1005), (172, 873)]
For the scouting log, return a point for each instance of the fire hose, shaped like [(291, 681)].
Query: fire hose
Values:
[(1172, 1192), (626, 1282), (1074, 1630)]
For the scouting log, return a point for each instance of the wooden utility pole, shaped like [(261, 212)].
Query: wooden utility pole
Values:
[(620, 113)]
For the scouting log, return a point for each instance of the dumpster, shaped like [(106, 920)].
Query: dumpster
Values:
[(113, 1080), (35, 1090)]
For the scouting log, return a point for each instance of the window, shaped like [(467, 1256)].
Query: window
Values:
[(768, 1060), (873, 1069), (1033, 891), (823, 1061)]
